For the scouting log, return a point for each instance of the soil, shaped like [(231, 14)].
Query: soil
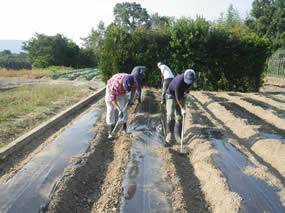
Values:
[(93, 181), (14, 162), (271, 83)]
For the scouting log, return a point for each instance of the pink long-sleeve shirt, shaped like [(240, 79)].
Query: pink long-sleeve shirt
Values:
[(116, 85)]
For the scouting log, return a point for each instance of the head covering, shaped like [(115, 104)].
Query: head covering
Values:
[(159, 63), (189, 76), (128, 82), (142, 70)]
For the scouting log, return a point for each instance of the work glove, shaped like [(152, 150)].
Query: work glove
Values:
[(130, 102), (121, 114), (183, 112)]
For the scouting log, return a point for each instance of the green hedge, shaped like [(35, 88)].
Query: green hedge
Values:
[(223, 60)]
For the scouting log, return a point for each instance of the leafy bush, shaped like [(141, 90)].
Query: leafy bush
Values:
[(223, 59), (124, 50)]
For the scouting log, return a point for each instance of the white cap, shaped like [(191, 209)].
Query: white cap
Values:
[(159, 63), (189, 76)]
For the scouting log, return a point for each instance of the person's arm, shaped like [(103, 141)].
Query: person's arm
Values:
[(134, 89), (121, 113), (179, 96), (116, 105)]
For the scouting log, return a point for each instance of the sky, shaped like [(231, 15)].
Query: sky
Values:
[(21, 19)]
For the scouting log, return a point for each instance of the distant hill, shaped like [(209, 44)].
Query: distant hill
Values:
[(15, 46)]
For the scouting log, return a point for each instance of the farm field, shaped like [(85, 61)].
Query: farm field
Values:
[(30, 97), (79, 74), (232, 160), (233, 143), (22, 108)]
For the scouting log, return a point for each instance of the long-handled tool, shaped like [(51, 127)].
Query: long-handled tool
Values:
[(182, 133), (120, 119)]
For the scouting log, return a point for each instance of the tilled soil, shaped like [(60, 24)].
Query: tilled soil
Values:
[(93, 181)]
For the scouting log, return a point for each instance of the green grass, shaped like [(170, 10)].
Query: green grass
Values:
[(23, 108)]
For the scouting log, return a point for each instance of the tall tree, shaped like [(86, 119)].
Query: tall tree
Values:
[(130, 15), (95, 41), (232, 17), (269, 20), (160, 22), (52, 50)]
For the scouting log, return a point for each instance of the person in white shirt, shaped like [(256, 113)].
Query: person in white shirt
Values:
[(166, 77)]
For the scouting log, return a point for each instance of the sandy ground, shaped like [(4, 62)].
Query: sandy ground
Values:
[(93, 181), (189, 173)]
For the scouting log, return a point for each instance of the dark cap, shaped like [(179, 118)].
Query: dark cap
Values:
[(128, 82)]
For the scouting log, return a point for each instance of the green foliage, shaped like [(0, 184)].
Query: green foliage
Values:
[(9, 60), (58, 68), (87, 73), (42, 62), (269, 20), (124, 50), (188, 44), (225, 54), (224, 58), (57, 50), (230, 20), (130, 15)]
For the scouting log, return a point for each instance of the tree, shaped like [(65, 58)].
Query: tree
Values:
[(15, 61), (232, 17), (130, 15), (268, 19), (229, 20), (95, 41), (52, 50), (160, 22)]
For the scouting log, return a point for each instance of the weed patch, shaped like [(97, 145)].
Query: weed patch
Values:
[(23, 108)]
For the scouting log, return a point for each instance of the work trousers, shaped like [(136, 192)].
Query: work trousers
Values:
[(165, 85), (173, 111), (122, 100)]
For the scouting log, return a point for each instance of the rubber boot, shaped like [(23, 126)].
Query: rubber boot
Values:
[(110, 129), (178, 131), (124, 131), (170, 139)]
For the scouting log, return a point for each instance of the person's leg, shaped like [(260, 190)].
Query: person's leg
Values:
[(170, 107), (122, 101), (139, 90), (178, 122), (110, 117), (166, 83)]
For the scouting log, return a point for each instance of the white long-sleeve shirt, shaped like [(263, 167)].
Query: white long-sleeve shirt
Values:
[(166, 71)]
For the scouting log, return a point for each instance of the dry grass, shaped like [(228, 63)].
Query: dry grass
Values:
[(23, 108), (24, 74)]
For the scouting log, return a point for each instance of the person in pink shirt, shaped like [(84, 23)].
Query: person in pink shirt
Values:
[(118, 87)]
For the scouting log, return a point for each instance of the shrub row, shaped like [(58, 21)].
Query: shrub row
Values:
[(223, 60)]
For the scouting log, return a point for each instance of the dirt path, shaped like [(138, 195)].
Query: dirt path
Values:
[(12, 82)]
